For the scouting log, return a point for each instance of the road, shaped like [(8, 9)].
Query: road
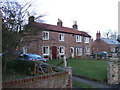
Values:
[(94, 84)]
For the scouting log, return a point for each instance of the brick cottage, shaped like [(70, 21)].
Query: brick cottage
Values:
[(55, 41), (103, 44)]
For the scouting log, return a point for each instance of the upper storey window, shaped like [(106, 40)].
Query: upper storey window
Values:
[(86, 39), (45, 35), (61, 37), (78, 38)]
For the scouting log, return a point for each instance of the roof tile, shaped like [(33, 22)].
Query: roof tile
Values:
[(61, 29), (110, 41)]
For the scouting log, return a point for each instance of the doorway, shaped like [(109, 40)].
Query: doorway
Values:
[(72, 52), (54, 52)]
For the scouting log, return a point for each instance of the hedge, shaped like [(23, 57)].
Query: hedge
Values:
[(20, 67)]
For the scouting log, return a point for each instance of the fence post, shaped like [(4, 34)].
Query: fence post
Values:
[(69, 81), (65, 62)]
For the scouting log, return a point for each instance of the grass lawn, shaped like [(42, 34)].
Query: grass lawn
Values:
[(93, 69)]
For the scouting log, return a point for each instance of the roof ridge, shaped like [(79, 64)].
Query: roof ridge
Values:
[(110, 41), (62, 29), (59, 26)]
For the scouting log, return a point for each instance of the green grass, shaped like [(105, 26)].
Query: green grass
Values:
[(55, 62), (93, 69), (77, 84)]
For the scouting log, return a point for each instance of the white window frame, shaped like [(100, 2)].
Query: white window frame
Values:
[(44, 51), (63, 50), (61, 37), (86, 39), (78, 38), (79, 51), (46, 37), (112, 49), (87, 50)]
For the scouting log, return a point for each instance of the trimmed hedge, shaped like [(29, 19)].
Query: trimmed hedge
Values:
[(20, 67)]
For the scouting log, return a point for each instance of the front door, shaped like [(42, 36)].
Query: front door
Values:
[(24, 49), (72, 52), (54, 52)]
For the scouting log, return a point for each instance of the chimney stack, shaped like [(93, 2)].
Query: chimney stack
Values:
[(31, 19), (75, 25), (98, 35), (59, 23)]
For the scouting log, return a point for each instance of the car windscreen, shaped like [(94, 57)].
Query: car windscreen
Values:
[(23, 56), (35, 56)]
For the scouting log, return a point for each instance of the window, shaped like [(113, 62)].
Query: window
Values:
[(78, 38), (87, 50), (61, 50), (45, 35), (86, 39), (78, 51), (61, 37), (112, 49), (45, 50)]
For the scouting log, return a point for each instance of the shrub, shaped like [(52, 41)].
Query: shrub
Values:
[(20, 67), (4, 63)]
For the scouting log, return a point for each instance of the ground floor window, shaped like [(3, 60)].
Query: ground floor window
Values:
[(78, 51), (113, 50), (87, 50), (61, 50), (45, 50)]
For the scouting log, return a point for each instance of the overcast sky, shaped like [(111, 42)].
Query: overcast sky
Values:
[(91, 15)]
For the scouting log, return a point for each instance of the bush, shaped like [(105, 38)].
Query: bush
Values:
[(4, 63), (20, 67)]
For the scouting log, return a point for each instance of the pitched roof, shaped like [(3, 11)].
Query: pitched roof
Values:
[(110, 41), (60, 29)]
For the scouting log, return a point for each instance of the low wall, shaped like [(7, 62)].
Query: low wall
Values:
[(113, 71), (54, 80)]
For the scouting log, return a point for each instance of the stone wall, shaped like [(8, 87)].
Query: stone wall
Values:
[(113, 71), (54, 80)]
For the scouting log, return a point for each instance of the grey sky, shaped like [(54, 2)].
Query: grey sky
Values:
[(91, 15)]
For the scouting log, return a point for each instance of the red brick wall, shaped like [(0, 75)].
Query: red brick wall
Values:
[(36, 43), (55, 80), (99, 45)]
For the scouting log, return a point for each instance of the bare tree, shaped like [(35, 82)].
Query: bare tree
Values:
[(13, 20), (110, 34), (13, 15)]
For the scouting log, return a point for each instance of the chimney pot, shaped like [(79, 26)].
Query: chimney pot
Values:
[(31, 19), (75, 25), (98, 35), (59, 23)]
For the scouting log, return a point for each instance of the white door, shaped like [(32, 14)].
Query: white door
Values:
[(72, 52), (24, 50)]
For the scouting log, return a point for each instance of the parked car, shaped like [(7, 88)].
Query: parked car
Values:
[(32, 57), (99, 54), (102, 53)]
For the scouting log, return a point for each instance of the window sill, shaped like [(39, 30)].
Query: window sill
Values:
[(61, 54), (45, 39), (78, 41), (78, 55), (87, 42), (61, 40), (45, 54)]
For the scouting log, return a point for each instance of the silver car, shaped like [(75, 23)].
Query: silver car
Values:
[(32, 57)]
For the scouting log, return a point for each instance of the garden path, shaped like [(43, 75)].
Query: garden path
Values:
[(94, 84)]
